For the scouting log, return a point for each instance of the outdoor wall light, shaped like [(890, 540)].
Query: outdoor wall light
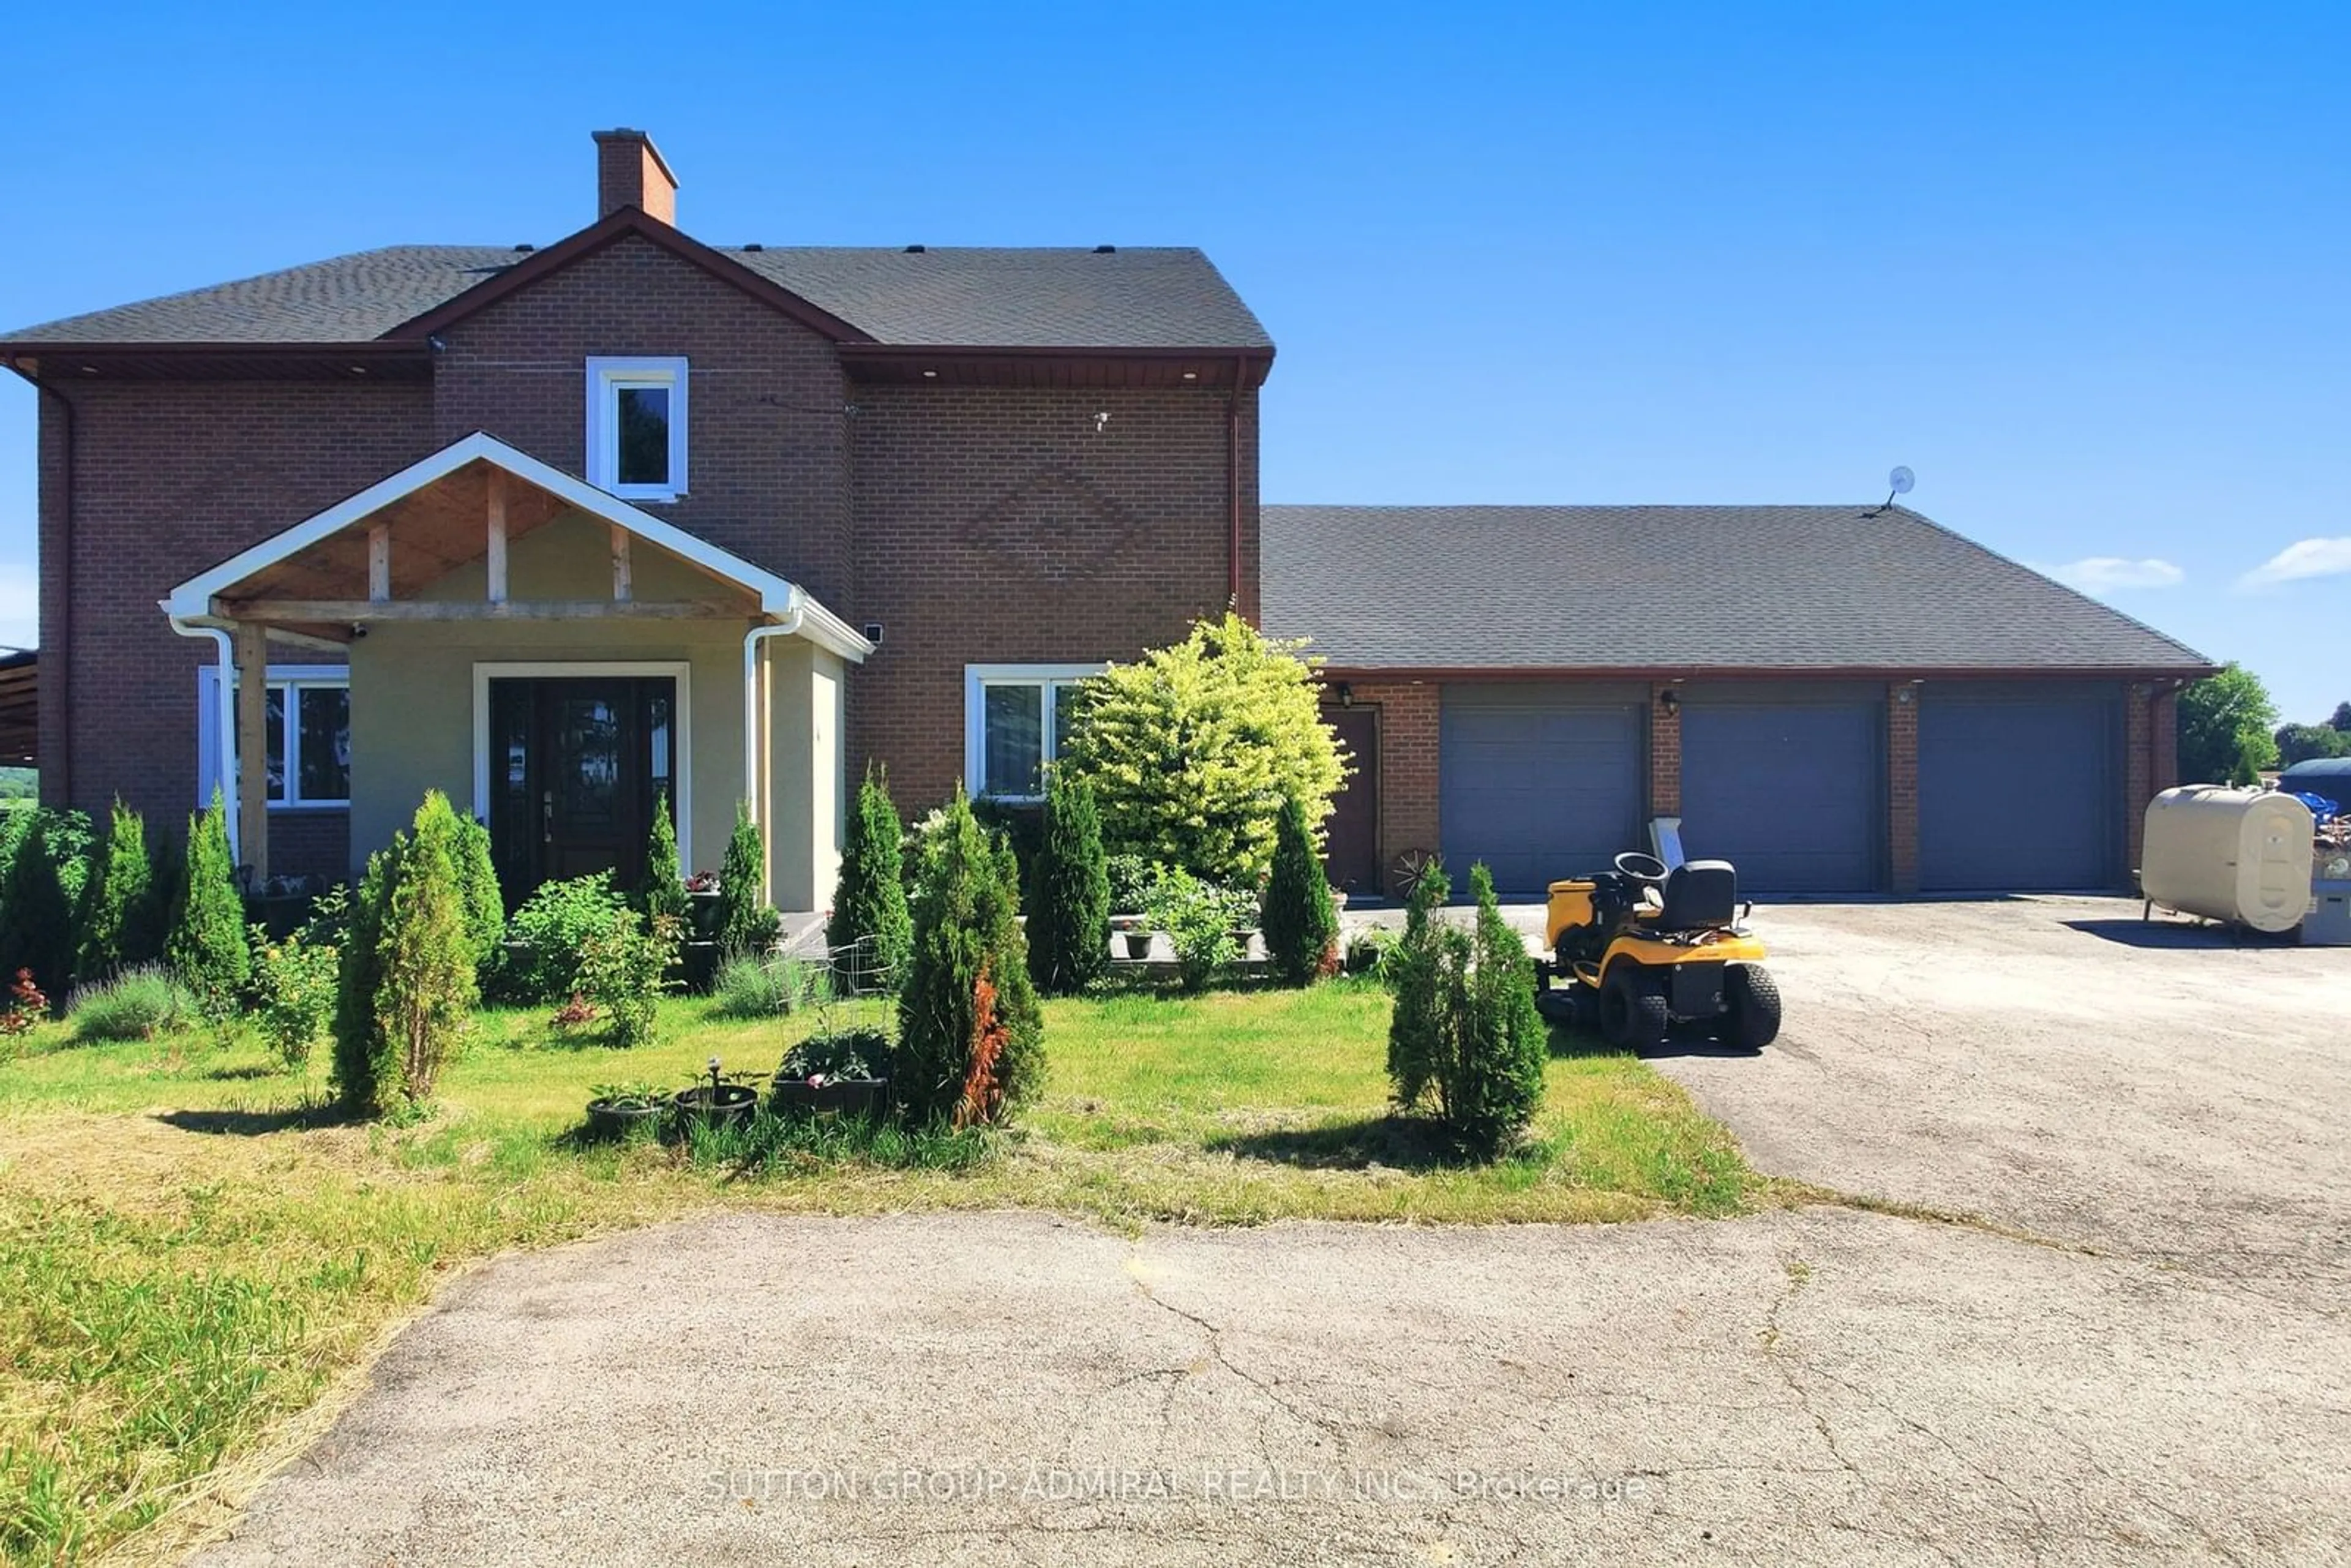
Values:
[(1346, 695), (1671, 701)]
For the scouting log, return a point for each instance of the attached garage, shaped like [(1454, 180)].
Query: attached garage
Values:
[(1525, 662), (2020, 787), (1787, 782), (1540, 780)]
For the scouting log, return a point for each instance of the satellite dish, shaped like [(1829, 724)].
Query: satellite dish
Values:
[(1901, 479)]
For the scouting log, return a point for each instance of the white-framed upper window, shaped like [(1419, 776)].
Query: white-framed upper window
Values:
[(636, 427), (309, 756), (1015, 718)]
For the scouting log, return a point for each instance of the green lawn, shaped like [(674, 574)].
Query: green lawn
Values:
[(196, 1255)]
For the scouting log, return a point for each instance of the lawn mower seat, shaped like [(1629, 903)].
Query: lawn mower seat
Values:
[(1699, 896)]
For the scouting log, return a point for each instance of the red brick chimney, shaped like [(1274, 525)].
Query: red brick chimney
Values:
[(630, 172)]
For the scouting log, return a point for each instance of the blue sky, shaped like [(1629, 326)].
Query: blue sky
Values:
[(2081, 266)]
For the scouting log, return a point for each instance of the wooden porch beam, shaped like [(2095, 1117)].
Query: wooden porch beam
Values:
[(623, 588), (360, 611), (380, 562), (252, 648), (497, 489)]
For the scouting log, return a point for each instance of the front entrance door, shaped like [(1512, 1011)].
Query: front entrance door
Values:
[(1351, 836), (577, 764)]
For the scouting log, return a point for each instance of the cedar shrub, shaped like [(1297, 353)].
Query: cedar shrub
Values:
[(664, 889), (869, 903), (37, 926), (209, 947), (747, 927), (1069, 919), (117, 924), (966, 930), (1301, 927)]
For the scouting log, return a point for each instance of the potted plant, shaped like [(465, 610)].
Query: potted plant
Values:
[(616, 1110), (716, 1103), (841, 1072), (1137, 938)]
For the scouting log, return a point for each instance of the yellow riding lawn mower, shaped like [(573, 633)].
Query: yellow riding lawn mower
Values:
[(1641, 949)]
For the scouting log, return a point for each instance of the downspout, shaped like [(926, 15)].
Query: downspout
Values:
[(1233, 477), (788, 627), (62, 633), (223, 754)]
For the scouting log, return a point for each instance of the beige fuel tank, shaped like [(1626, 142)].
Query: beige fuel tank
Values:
[(2238, 856)]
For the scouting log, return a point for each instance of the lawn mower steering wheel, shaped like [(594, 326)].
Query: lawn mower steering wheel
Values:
[(1645, 869)]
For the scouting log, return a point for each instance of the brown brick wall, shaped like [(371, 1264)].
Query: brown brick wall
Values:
[(1902, 786), (171, 478), (1665, 753), (1409, 713), (766, 449), (1003, 526), (2165, 739)]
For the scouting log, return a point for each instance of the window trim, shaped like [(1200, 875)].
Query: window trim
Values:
[(976, 679), (607, 374), (280, 677)]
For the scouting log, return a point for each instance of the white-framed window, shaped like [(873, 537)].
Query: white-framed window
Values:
[(308, 758), (1015, 718), (636, 427)]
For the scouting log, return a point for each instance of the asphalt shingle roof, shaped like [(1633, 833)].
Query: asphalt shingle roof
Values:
[(1147, 298), (1779, 588)]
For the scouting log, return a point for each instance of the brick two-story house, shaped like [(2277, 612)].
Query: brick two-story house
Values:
[(558, 529), (555, 528)]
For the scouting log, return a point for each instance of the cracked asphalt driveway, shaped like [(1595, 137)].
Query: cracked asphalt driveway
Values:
[(2164, 1378)]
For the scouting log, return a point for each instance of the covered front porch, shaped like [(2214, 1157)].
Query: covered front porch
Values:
[(553, 658)]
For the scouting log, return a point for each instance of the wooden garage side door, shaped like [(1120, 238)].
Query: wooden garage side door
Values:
[(2018, 791), (1790, 789), (1537, 782)]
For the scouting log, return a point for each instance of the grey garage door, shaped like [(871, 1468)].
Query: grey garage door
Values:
[(2019, 790), (1538, 781), (1787, 788)]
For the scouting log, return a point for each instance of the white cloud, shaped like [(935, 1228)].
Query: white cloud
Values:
[(20, 605), (2106, 573), (2303, 558)]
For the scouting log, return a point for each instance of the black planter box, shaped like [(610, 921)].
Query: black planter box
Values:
[(835, 1097), (732, 1106)]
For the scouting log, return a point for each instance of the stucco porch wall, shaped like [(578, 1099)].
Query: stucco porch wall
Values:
[(414, 723)]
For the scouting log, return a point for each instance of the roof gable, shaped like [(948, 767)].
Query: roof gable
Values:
[(609, 230), (193, 600)]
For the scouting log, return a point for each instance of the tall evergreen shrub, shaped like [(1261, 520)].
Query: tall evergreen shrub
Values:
[(116, 922), (747, 924), (426, 995), (966, 930), (871, 900), (359, 972), (147, 925), (478, 881), (208, 946), (1069, 919), (1425, 972), (664, 889), (1300, 926), (36, 928), (1497, 1082), (1465, 1039)]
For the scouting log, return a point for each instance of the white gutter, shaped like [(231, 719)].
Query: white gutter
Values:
[(225, 753), (794, 614)]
